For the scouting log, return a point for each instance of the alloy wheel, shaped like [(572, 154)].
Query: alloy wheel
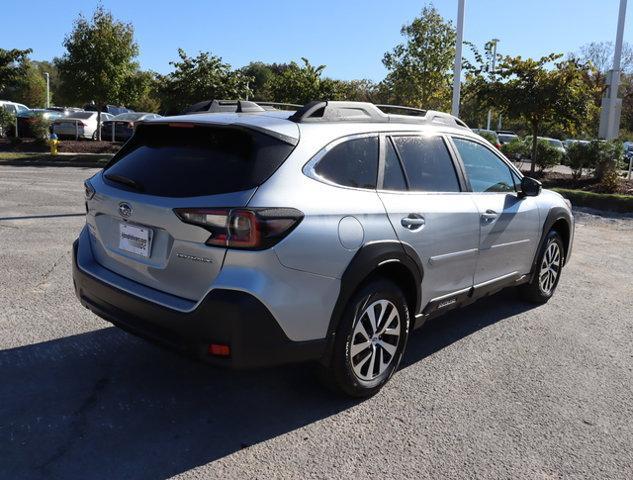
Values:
[(375, 339), (550, 268)]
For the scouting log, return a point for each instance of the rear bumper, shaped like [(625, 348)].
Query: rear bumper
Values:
[(227, 317)]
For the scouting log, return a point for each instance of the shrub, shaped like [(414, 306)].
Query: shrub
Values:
[(516, 149), (610, 182), (488, 136), (7, 120), (40, 128), (579, 157), (547, 156), (606, 156)]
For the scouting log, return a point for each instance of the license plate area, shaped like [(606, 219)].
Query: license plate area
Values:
[(135, 239)]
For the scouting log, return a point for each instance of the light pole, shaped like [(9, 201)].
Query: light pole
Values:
[(457, 67), (610, 115), (494, 63), (48, 89)]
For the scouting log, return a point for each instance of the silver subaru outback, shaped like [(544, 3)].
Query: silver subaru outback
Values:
[(259, 237)]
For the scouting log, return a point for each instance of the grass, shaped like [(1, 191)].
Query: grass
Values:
[(46, 159), (600, 201)]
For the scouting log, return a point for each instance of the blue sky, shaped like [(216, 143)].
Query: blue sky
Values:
[(349, 36)]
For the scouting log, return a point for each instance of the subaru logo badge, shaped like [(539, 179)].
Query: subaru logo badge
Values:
[(125, 210)]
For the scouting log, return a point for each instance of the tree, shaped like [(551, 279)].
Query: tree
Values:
[(195, 79), (141, 92), (301, 84), (262, 77), (44, 67), (420, 72), (472, 110), (600, 54), (13, 68), (31, 89), (99, 60), (528, 89)]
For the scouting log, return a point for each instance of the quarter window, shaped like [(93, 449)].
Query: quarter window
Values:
[(427, 163), (486, 171), (353, 163)]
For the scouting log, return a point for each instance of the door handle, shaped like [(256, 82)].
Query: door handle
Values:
[(413, 221), (489, 216)]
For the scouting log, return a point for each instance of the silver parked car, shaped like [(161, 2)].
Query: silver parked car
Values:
[(327, 234), (79, 125)]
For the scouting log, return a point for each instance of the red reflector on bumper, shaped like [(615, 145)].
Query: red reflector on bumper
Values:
[(219, 350)]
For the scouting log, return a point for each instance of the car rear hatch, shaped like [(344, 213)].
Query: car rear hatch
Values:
[(166, 167)]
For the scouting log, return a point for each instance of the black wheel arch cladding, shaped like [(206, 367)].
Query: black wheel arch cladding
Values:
[(369, 260)]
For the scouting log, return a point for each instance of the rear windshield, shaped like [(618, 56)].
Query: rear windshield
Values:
[(191, 161), (84, 115), (129, 116)]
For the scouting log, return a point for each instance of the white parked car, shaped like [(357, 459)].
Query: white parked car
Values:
[(13, 107), (79, 125)]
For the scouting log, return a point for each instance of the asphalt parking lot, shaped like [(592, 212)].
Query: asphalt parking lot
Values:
[(497, 390)]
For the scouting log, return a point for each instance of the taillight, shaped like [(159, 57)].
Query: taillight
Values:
[(253, 229)]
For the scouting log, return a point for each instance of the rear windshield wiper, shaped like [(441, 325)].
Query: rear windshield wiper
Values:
[(128, 182)]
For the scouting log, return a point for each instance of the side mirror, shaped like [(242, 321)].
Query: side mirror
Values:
[(530, 187)]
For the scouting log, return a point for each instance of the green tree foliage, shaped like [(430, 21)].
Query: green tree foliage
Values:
[(31, 90), (539, 92), (13, 68), (302, 84), (294, 83), (194, 79), (420, 72), (141, 92), (56, 96), (99, 59)]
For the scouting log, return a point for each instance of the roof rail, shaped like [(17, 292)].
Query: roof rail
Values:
[(225, 106), (334, 111), (415, 111), (236, 106), (320, 111), (293, 106)]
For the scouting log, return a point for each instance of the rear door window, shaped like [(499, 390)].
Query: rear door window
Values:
[(191, 160), (427, 163), (353, 163), (393, 178)]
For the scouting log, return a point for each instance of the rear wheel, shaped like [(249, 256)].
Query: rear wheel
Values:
[(370, 341), (548, 269)]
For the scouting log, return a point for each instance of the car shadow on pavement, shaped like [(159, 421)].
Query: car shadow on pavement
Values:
[(451, 327), (104, 404)]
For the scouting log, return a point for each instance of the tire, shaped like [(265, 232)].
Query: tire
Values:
[(94, 136), (355, 344), (548, 270)]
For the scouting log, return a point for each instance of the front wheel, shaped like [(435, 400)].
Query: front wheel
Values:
[(370, 340), (548, 270)]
